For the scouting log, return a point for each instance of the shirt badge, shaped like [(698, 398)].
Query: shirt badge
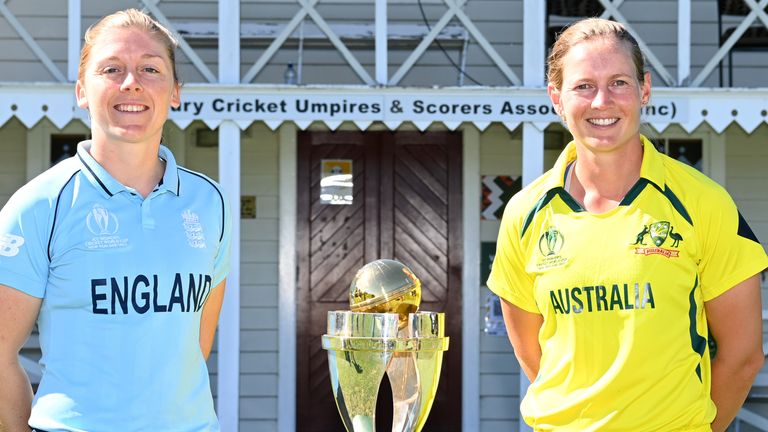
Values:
[(659, 233), (550, 244), (193, 229), (104, 226)]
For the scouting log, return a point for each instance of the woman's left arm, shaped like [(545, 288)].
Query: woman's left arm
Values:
[(210, 318), (735, 322)]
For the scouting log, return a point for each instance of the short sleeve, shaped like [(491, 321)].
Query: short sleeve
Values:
[(731, 252), (509, 279), (221, 263), (24, 234)]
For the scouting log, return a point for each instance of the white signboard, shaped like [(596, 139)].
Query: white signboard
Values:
[(388, 107), (303, 105)]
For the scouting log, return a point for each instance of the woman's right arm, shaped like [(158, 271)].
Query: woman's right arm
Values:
[(523, 332), (18, 313)]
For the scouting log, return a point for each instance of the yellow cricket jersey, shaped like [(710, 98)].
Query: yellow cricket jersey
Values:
[(624, 339)]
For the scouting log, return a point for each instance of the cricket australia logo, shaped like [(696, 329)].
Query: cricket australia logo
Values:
[(658, 232), (104, 226), (550, 244), (193, 229)]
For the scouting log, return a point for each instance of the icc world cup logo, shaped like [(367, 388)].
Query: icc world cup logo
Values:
[(551, 241), (101, 222)]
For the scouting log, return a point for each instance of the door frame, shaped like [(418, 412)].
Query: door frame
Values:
[(470, 280)]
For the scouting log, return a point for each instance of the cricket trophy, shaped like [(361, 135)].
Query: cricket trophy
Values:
[(383, 332)]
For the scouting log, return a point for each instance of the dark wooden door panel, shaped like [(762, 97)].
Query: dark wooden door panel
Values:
[(427, 235), (331, 244), (406, 206)]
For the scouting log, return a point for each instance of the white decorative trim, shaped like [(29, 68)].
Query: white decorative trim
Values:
[(686, 106), (212, 123), (362, 124), (422, 125), (452, 125), (333, 124)]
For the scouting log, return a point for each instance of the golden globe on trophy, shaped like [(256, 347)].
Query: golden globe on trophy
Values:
[(383, 332)]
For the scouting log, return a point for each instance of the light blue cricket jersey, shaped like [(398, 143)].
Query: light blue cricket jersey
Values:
[(123, 282)]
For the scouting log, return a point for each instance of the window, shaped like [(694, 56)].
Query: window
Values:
[(64, 146), (687, 150)]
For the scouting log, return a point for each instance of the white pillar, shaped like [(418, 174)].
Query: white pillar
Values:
[(286, 346), (228, 373), (683, 42), (73, 39), (533, 153), (534, 14), (470, 356), (382, 58)]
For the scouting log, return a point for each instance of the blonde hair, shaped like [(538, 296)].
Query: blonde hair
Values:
[(588, 29), (129, 18)]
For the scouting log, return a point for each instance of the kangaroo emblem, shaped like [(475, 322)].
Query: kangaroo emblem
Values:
[(641, 235), (676, 237)]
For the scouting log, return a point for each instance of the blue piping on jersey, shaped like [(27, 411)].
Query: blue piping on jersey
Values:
[(56, 212), (698, 342), (221, 237), (95, 176)]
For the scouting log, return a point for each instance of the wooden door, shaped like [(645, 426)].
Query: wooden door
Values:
[(406, 206)]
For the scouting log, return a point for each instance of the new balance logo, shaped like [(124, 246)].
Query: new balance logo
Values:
[(10, 244)]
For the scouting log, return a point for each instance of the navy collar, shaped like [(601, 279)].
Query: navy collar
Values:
[(109, 186)]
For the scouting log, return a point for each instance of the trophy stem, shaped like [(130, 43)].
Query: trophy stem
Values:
[(404, 380), (355, 377)]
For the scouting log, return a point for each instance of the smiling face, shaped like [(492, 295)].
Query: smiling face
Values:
[(601, 96), (128, 86)]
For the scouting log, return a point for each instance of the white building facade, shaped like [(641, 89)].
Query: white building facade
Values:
[(396, 88)]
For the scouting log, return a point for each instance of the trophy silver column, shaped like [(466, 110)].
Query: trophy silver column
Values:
[(383, 332)]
